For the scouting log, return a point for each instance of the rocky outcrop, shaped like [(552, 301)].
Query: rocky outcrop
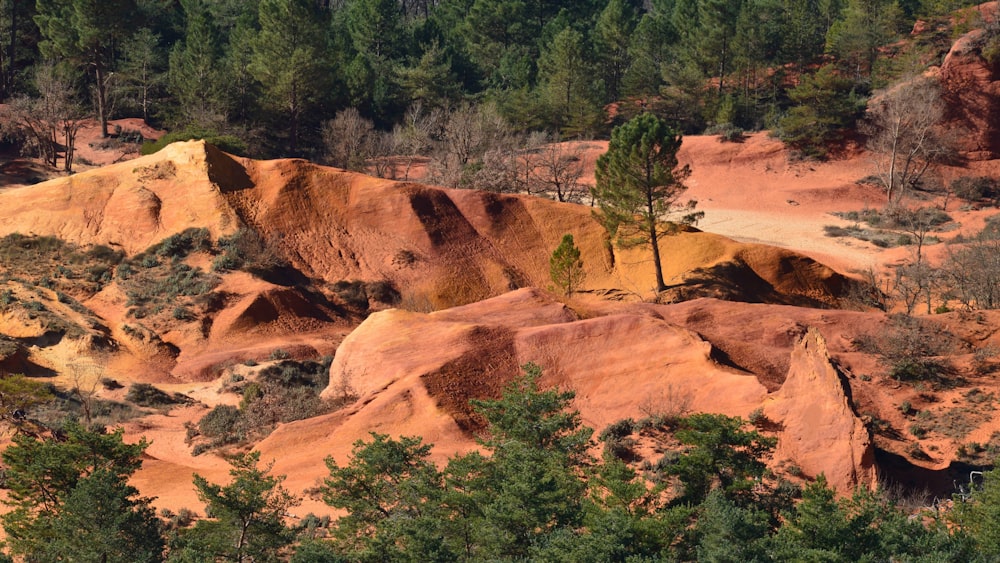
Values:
[(971, 88), (821, 432)]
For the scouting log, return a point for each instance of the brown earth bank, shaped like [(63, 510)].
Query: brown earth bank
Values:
[(429, 297)]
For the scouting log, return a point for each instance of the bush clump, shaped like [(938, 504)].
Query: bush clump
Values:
[(974, 188), (146, 395), (227, 143)]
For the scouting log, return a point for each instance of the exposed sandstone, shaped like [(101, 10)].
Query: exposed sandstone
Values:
[(972, 93), (821, 433)]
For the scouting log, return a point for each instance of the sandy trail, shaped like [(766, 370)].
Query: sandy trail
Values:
[(799, 233)]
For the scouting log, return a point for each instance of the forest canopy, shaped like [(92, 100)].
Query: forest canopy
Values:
[(272, 72)]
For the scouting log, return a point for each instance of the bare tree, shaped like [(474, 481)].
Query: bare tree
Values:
[(972, 272), (558, 168), (916, 279), (348, 138), (53, 116), (380, 148), (415, 137), (902, 136), (469, 133)]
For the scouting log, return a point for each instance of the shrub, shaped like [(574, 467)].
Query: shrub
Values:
[(383, 292), (312, 374), (181, 244), (220, 423), (618, 441), (146, 395), (247, 250), (352, 293), (974, 188), (227, 143), (907, 347), (279, 354), (727, 132)]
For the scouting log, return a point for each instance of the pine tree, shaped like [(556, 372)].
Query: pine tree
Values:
[(289, 59), (567, 84), (639, 182), (142, 66), (612, 35), (864, 26), (78, 487), (565, 266), (86, 32), (194, 67), (247, 516)]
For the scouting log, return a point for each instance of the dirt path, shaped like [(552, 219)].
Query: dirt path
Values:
[(800, 233)]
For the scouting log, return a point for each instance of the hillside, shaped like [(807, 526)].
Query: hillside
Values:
[(416, 290)]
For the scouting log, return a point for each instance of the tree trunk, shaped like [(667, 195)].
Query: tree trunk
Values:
[(653, 237), (11, 52), (102, 110)]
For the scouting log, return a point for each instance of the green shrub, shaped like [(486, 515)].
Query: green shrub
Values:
[(220, 423), (181, 244), (146, 395), (279, 354), (227, 143), (311, 374)]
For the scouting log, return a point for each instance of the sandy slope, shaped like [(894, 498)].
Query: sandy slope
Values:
[(447, 247)]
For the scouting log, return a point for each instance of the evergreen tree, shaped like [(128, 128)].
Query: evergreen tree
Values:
[(380, 43), (391, 494), (639, 182), (538, 447), (568, 85), (719, 454), (195, 70), (288, 59), (728, 533), (648, 50), (826, 103), (18, 45), (103, 519), (500, 42), (86, 32), (431, 80), (565, 266), (142, 66), (612, 37), (863, 27), (70, 498), (243, 90), (717, 20), (804, 34), (246, 517), (979, 515)]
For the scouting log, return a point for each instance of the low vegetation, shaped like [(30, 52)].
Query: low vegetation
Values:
[(284, 391), (912, 350), (532, 492)]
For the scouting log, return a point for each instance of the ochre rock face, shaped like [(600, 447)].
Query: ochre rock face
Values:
[(972, 94), (129, 205), (414, 373), (821, 433)]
